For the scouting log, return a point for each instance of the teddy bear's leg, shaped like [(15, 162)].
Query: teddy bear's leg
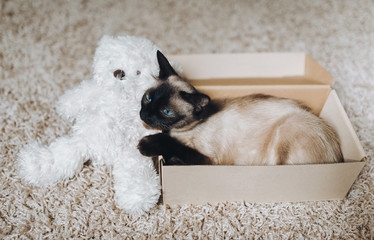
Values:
[(136, 183), (43, 165)]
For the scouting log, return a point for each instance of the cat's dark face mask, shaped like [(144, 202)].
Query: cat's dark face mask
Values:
[(174, 104), (156, 110)]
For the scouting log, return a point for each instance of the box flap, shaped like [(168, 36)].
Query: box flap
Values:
[(333, 112), (252, 68), (314, 96), (286, 183)]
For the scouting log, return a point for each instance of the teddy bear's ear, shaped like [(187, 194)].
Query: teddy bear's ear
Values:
[(119, 74), (105, 39)]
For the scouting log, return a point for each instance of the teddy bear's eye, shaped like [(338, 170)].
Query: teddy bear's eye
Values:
[(138, 72), (119, 74)]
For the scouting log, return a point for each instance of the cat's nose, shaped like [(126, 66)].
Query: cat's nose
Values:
[(143, 115)]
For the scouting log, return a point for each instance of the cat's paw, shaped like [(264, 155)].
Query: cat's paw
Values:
[(150, 146), (174, 160)]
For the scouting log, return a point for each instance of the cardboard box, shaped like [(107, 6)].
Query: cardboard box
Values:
[(291, 75)]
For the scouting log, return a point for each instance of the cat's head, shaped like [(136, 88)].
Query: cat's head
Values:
[(173, 103)]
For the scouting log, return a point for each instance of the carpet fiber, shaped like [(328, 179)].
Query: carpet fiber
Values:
[(46, 47)]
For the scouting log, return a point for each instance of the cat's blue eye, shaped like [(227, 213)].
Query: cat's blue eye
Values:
[(167, 112), (149, 99)]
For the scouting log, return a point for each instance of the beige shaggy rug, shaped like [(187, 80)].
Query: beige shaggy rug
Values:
[(46, 47)]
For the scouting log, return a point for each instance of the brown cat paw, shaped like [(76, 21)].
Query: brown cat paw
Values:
[(150, 146)]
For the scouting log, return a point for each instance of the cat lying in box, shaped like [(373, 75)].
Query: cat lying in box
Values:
[(251, 130)]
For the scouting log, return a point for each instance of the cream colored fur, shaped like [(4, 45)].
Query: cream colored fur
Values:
[(251, 131)]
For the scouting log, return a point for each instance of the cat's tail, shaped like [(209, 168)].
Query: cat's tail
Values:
[(331, 142), (43, 165)]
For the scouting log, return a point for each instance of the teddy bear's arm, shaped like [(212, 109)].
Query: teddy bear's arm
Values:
[(77, 100)]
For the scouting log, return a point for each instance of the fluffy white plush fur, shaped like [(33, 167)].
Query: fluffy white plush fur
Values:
[(47, 47), (106, 128)]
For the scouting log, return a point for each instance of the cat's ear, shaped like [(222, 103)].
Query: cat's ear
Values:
[(166, 70), (198, 100)]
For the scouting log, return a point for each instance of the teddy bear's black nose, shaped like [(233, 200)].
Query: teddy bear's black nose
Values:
[(119, 74)]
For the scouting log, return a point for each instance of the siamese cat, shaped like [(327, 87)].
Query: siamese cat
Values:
[(256, 129)]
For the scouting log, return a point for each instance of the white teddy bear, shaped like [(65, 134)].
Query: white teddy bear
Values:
[(106, 127)]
